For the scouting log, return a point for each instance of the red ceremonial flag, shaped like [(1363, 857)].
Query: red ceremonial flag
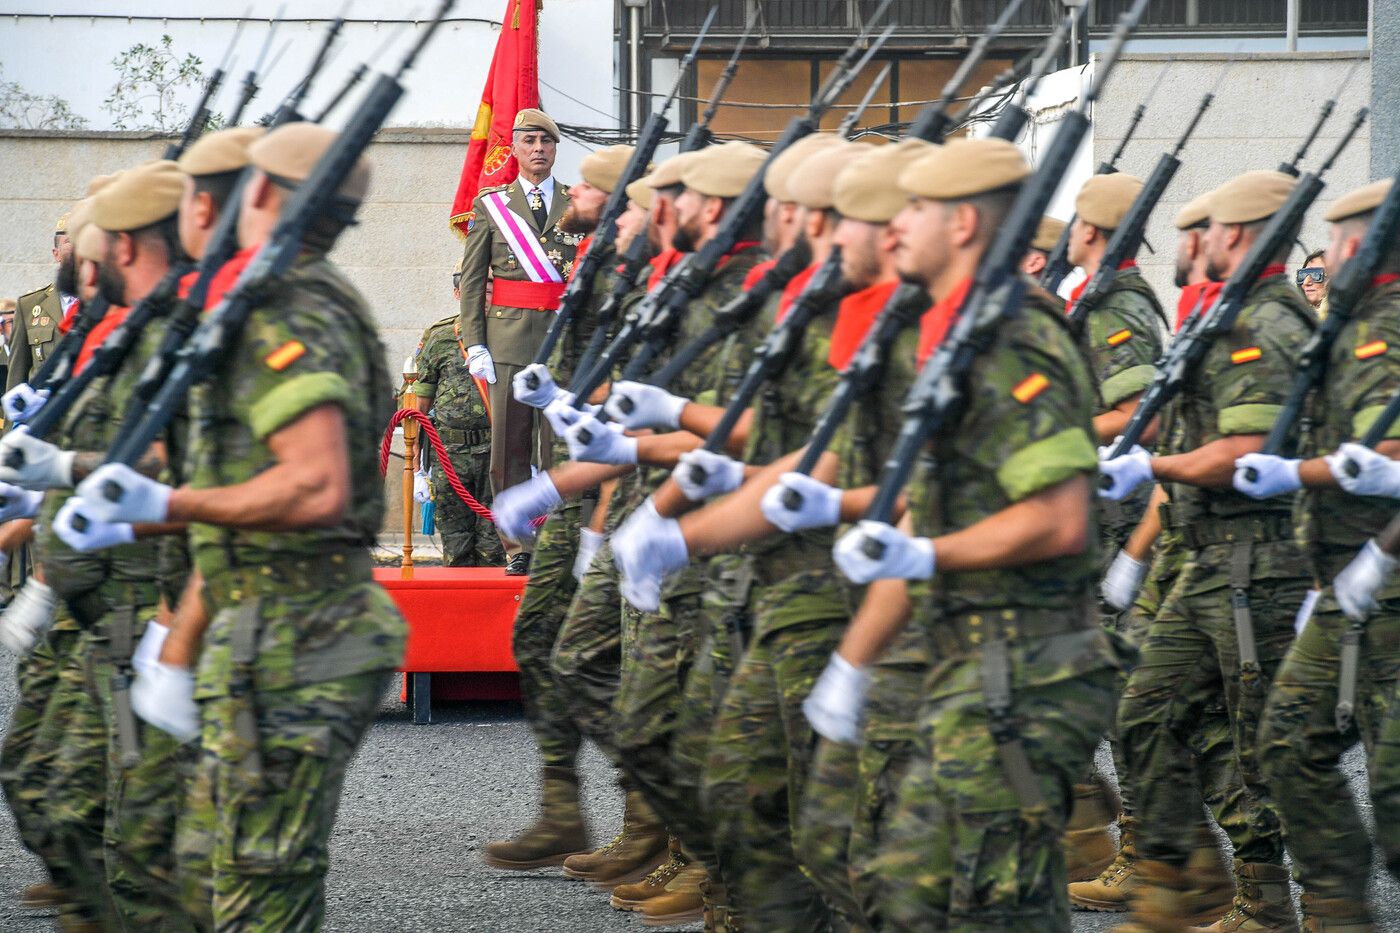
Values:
[(512, 85)]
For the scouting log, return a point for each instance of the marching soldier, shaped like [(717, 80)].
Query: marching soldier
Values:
[(1047, 236), (516, 243)]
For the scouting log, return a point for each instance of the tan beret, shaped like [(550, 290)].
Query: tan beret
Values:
[(723, 171), (1360, 201), (532, 119), (139, 197), (668, 173), (224, 151), (99, 182), (1104, 200), (813, 183), (91, 243), (1250, 197), (61, 225), (864, 188), (603, 168), (1047, 233), (1195, 213), (291, 151), (964, 168), (642, 193), (775, 179)]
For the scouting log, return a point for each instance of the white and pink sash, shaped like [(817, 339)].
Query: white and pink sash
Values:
[(518, 236)]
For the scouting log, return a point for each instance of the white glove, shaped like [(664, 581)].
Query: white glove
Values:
[(422, 491), (588, 543), (22, 402), (605, 444), (1127, 472), (96, 535), (480, 364), (28, 616), (18, 503), (542, 394), (117, 493), (904, 557), (41, 464), (1273, 476), (1355, 587), (561, 412), (818, 505), (1379, 475), (515, 508), (636, 405), (1124, 578), (147, 653), (646, 547), (163, 695), (836, 705), (718, 474)]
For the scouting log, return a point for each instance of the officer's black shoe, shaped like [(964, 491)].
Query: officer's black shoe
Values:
[(518, 565)]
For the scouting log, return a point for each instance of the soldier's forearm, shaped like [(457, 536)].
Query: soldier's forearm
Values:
[(188, 623), (1051, 523), (664, 450), (1111, 423), (736, 519), (1139, 545), (151, 464), (882, 614), (1211, 466), (572, 479)]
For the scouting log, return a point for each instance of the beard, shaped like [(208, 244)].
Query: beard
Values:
[(1214, 272), (1183, 276), (576, 222), (67, 277), (684, 240), (111, 286)]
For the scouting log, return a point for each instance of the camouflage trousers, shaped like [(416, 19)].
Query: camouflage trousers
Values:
[(761, 751), (1300, 748), (959, 853), (468, 539), (542, 612), (252, 847), (586, 660), (1189, 663)]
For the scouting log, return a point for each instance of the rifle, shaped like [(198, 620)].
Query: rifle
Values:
[(1014, 116), (826, 287), (250, 80), (1127, 239), (634, 263), (699, 135), (359, 73), (59, 365), (933, 123), (848, 125), (208, 347), (1057, 264), (290, 108), (1291, 167), (662, 308), (199, 119), (580, 287), (934, 402), (1193, 341)]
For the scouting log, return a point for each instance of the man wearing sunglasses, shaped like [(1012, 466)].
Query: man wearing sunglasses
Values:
[(1312, 281)]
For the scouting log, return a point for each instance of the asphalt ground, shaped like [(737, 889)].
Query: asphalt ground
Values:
[(421, 802)]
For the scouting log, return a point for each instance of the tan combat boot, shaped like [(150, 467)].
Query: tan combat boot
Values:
[(630, 856), (42, 896), (1112, 888), (1334, 915), (1210, 885), (1263, 902), (680, 902), (1087, 842), (632, 896), (556, 835), (1156, 899)]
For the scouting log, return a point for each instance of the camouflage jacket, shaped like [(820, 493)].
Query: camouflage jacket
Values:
[(444, 380), (1123, 338), (572, 345)]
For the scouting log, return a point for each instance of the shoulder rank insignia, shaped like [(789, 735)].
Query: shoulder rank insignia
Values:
[(1029, 387), (1247, 355), (285, 355), (1368, 350), (1120, 337)]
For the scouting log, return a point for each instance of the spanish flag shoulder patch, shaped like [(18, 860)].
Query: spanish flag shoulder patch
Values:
[(285, 355), (1247, 355), (1120, 337), (1029, 387), (1374, 348)]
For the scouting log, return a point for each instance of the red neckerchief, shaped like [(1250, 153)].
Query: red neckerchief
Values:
[(579, 254), (660, 264), (227, 275), (69, 316), (735, 250), (758, 272), (182, 291), (793, 289), (1269, 272), (1191, 294), (1084, 283), (99, 332), (937, 319), (1385, 279), (857, 312)]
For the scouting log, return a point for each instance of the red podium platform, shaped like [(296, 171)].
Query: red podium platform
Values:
[(460, 621)]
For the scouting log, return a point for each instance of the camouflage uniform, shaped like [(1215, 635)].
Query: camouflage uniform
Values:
[(1232, 546), (302, 641), (1300, 745), (965, 848), (459, 414)]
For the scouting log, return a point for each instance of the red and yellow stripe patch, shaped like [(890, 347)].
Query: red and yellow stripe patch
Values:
[(1374, 348), (1029, 387), (285, 355), (1121, 337), (1247, 355)]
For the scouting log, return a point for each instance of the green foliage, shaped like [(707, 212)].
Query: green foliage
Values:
[(149, 81), (22, 110)]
